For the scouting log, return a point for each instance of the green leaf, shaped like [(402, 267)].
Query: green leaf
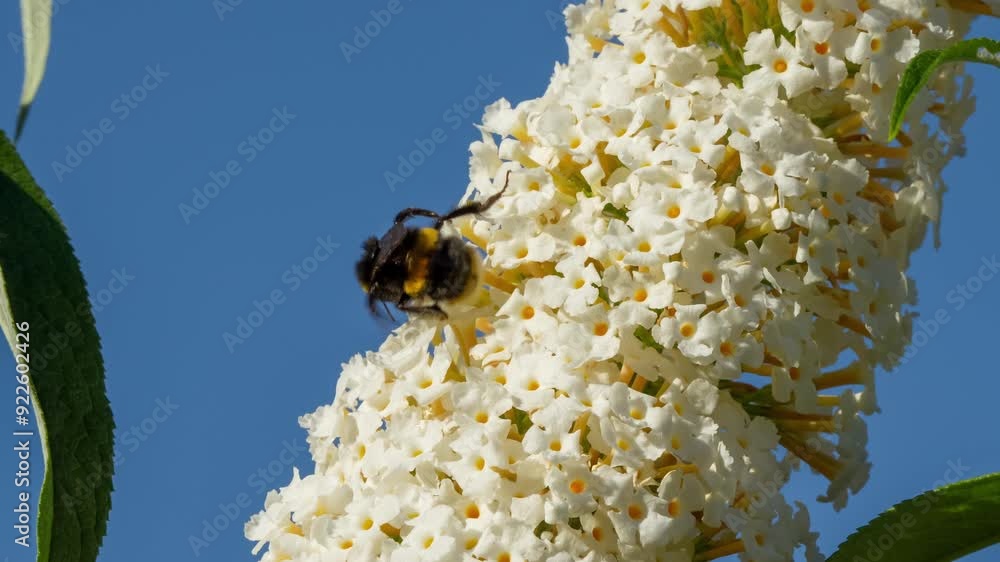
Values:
[(521, 420), (936, 526), (36, 24), (613, 212), (646, 337), (923, 66), (41, 284), (602, 293)]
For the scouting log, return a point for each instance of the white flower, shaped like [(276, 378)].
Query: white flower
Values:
[(779, 64), (591, 336), (576, 288), (527, 311), (882, 52), (679, 326), (656, 209)]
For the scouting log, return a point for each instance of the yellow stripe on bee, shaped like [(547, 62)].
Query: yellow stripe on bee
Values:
[(418, 261), (417, 278), (427, 239)]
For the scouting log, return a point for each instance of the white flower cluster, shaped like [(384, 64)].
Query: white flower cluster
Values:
[(696, 269)]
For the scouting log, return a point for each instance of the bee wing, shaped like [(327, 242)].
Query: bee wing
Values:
[(388, 246)]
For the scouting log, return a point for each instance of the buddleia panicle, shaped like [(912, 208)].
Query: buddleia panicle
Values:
[(698, 265)]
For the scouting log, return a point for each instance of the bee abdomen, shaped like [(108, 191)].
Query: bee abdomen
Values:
[(451, 270)]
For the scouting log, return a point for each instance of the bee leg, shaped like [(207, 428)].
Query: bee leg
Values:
[(385, 305), (431, 309), (415, 212), (472, 208)]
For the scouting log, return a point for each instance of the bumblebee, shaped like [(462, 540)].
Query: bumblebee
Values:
[(418, 269)]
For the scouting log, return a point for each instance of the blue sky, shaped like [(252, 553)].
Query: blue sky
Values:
[(264, 100)]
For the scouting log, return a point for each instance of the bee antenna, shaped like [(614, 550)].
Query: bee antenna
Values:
[(496, 196), (387, 311)]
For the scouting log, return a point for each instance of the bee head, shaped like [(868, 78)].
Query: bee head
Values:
[(366, 265)]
